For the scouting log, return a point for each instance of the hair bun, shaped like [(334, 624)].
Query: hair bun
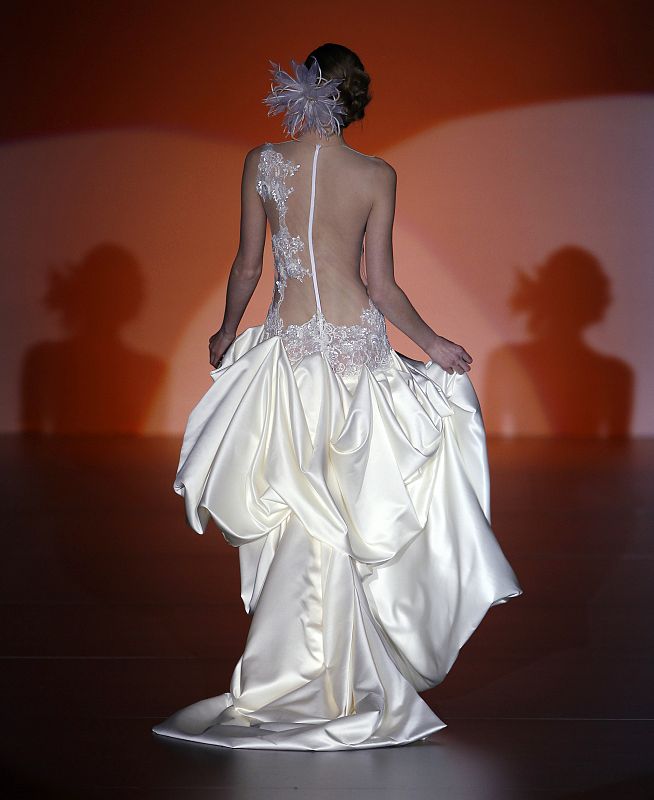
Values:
[(338, 61), (354, 90)]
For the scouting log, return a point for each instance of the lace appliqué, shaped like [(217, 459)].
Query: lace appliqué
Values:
[(348, 348), (271, 183)]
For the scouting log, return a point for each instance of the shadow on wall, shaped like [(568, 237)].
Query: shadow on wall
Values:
[(556, 383), (91, 381)]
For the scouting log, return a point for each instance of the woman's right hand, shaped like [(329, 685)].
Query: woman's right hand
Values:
[(218, 345), (450, 356)]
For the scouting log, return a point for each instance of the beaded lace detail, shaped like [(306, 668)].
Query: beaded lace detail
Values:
[(273, 170), (348, 348)]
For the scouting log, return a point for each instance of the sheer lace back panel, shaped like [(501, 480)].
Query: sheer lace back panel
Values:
[(316, 203)]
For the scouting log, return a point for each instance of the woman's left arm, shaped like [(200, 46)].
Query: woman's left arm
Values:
[(248, 263)]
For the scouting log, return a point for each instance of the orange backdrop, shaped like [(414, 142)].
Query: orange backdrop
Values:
[(522, 134)]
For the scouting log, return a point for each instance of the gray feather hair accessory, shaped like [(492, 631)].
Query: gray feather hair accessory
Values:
[(308, 101)]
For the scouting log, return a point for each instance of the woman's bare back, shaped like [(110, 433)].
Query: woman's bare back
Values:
[(317, 200)]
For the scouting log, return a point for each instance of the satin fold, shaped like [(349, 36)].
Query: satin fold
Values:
[(361, 510)]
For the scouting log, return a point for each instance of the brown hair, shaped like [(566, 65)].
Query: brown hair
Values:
[(337, 61)]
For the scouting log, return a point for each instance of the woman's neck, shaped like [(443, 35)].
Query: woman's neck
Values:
[(310, 137)]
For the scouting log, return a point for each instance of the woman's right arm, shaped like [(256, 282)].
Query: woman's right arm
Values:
[(382, 287)]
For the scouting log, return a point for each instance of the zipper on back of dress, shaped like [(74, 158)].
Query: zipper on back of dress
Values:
[(310, 238)]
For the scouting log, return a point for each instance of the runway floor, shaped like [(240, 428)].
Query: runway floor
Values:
[(114, 614)]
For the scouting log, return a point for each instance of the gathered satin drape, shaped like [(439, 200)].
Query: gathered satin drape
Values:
[(360, 507)]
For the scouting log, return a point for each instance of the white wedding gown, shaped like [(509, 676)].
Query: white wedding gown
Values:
[(354, 482)]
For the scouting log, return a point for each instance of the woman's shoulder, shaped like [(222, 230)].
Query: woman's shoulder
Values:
[(381, 164), (384, 172), (379, 167), (255, 152)]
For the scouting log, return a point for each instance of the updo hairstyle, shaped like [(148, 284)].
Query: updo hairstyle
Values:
[(337, 61)]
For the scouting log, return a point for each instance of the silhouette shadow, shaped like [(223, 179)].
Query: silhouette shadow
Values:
[(556, 383), (91, 381), (579, 397)]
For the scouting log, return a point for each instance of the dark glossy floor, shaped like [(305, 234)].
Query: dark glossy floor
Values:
[(114, 613)]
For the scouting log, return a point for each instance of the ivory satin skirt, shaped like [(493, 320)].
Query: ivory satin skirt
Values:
[(361, 509)]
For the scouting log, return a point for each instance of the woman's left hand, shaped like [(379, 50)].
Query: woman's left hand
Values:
[(218, 344)]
